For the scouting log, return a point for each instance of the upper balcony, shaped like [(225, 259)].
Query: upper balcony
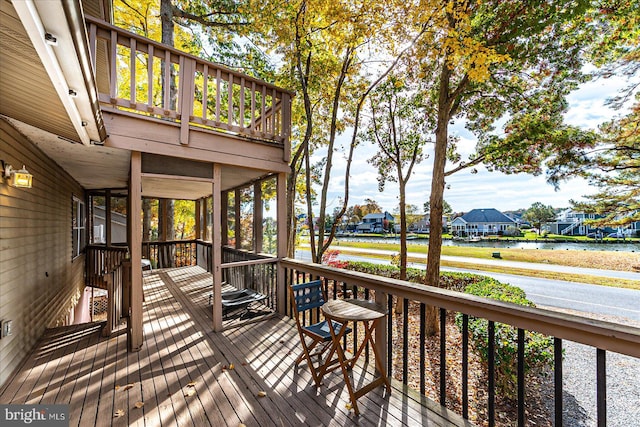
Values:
[(88, 94)]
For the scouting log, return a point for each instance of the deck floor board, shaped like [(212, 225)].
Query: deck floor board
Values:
[(182, 375)]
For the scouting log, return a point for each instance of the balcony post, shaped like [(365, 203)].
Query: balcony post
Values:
[(281, 212), (224, 207), (135, 239), (216, 255), (237, 233), (257, 217)]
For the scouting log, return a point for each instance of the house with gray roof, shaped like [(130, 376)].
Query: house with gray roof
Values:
[(374, 222), (481, 222)]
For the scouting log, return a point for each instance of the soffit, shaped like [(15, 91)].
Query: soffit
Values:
[(26, 91)]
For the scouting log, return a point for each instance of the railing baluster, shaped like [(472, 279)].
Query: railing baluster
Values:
[(491, 374), (390, 335), (241, 118), (113, 82), (405, 341), (423, 336), (443, 357), (218, 101), (557, 379), (230, 101), (253, 107), (150, 56), (205, 91), (132, 72), (263, 111), (601, 362), (465, 366), (521, 385)]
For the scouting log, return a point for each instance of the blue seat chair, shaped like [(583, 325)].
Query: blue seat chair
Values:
[(305, 298)]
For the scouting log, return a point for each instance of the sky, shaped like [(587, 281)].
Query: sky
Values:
[(466, 191)]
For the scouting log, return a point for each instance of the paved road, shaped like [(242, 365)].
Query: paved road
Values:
[(597, 299)]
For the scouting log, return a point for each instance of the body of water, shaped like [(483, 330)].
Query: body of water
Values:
[(587, 246)]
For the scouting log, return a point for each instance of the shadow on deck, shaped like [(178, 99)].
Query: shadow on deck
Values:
[(184, 375)]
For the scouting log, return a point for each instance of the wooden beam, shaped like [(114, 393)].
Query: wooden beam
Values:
[(281, 212), (257, 217), (216, 249), (135, 241), (132, 132)]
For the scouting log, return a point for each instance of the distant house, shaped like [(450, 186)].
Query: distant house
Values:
[(374, 222), (481, 222), (423, 225), (572, 223)]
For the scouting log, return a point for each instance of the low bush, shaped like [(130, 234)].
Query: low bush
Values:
[(538, 350)]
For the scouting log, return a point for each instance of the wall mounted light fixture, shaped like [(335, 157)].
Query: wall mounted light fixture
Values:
[(17, 178)]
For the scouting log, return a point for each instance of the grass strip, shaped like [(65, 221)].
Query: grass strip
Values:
[(551, 275)]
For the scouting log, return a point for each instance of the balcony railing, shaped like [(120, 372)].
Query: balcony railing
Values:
[(398, 341), (157, 80)]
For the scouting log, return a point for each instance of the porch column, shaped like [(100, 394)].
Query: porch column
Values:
[(198, 225), (107, 217), (216, 253), (135, 239), (257, 217), (224, 218), (236, 227), (281, 214)]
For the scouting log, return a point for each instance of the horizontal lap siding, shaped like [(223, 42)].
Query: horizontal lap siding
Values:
[(38, 281)]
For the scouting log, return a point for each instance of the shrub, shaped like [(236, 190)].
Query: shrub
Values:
[(538, 350)]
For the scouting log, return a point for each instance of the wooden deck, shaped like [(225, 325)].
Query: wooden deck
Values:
[(183, 376)]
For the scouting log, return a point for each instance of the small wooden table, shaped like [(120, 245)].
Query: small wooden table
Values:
[(370, 314)]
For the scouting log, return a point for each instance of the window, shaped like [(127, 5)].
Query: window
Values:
[(79, 235)]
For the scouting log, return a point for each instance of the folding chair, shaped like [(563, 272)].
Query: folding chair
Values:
[(304, 298)]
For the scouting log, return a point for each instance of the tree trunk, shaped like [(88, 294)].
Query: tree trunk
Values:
[(432, 277)]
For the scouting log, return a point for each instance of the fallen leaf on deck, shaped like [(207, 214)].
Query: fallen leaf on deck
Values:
[(139, 405), (349, 406), (231, 366), (262, 393), (242, 425), (117, 387), (127, 387), (190, 392), (119, 413), (191, 384)]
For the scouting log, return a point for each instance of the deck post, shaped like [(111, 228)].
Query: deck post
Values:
[(281, 213), (257, 217), (198, 217), (237, 233), (224, 212), (135, 239), (216, 235)]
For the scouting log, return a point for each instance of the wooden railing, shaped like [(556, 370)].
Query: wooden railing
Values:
[(246, 270), (397, 341), (108, 268), (102, 260), (157, 80), (172, 253)]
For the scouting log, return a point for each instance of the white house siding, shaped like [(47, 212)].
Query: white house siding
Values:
[(39, 283)]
